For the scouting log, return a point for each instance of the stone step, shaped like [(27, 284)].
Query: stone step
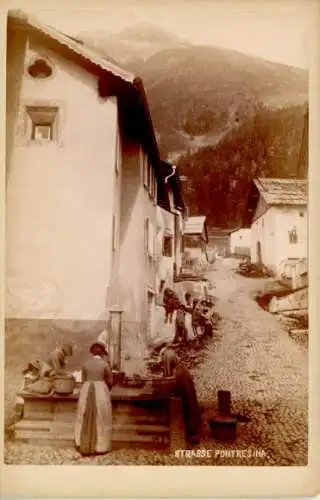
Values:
[(140, 436), (49, 426), (123, 441)]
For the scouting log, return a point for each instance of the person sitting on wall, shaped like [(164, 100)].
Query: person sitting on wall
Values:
[(36, 378), (31, 373), (56, 361)]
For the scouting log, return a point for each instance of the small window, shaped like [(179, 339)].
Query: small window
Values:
[(146, 235), (145, 166), (293, 237), (43, 123), (150, 311), (301, 214), (151, 187), (40, 69), (114, 234), (149, 178), (167, 246), (118, 153), (149, 238)]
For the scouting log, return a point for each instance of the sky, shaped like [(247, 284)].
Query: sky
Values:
[(273, 29)]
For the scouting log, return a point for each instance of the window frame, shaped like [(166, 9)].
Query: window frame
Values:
[(167, 239), (145, 169), (146, 234), (293, 236), (117, 152), (114, 233), (148, 176), (44, 115), (149, 238)]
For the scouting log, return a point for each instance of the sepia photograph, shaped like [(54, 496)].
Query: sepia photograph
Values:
[(156, 234)]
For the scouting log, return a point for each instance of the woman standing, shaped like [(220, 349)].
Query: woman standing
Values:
[(93, 428), (188, 315)]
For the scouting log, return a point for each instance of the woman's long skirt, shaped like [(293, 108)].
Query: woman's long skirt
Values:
[(93, 428)]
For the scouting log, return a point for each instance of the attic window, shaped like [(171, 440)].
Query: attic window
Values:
[(43, 122), (40, 69)]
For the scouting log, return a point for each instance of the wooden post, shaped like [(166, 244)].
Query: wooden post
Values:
[(224, 402), (116, 334)]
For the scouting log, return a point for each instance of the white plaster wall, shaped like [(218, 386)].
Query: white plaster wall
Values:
[(240, 238), (137, 271), (272, 230), (178, 241), (263, 229), (193, 253), (114, 297), (287, 218), (59, 203), (165, 221)]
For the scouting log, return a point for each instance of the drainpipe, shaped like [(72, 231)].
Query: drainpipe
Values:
[(170, 175)]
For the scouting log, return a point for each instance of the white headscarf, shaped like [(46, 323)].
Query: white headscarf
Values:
[(103, 337)]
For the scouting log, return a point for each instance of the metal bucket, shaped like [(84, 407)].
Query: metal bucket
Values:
[(64, 384)]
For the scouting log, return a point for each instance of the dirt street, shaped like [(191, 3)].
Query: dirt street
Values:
[(265, 370), (250, 355)]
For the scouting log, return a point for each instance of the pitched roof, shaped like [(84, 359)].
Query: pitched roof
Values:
[(133, 96), (71, 43), (239, 228), (283, 191), (194, 225)]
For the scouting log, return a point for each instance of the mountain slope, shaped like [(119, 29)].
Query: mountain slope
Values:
[(205, 91), (133, 45), (268, 145), (197, 94)]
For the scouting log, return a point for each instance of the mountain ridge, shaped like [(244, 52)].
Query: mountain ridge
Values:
[(197, 93), (219, 114)]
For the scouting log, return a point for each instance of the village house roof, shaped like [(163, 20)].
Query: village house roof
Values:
[(113, 80), (239, 228), (283, 191), (275, 192), (73, 44), (196, 225)]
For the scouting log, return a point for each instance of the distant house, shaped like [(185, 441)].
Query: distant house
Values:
[(170, 228), (83, 182), (195, 237), (277, 212), (240, 242)]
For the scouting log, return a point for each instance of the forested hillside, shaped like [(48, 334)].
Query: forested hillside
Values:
[(268, 145)]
